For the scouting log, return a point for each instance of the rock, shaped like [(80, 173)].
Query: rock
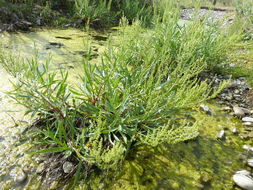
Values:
[(247, 147), (236, 91), (234, 131), (227, 108), (246, 111), (250, 162), (247, 119), (243, 181), (238, 111), (247, 124), (21, 177), (221, 135), (243, 172), (206, 109), (68, 167)]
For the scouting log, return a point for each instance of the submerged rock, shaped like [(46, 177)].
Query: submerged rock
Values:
[(243, 181), (68, 167)]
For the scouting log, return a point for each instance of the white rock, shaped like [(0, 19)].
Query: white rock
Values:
[(250, 162), (247, 119), (238, 111), (247, 147), (221, 135), (205, 108), (247, 123), (21, 178), (243, 181), (243, 172), (68, 167), (234, 130)]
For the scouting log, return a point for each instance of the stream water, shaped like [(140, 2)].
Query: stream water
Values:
[(202, 163)]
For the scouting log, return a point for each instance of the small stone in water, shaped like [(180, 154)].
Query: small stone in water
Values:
[(68, 167), (250, 162), (238, 111), (247, 119), (247, 123), (226, 108), (206, 109), (21, 178), (243, 181), (234, 130), (221, 135), (243, 172), (247, 147)]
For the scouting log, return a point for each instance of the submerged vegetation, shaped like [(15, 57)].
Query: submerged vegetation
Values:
[(142, 92)]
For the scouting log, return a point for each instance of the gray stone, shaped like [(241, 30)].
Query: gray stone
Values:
[(243, 181), (21, 177), (68, 167), (238, 111), (247, 119), (206, 109), (250, 162), (227, 108)]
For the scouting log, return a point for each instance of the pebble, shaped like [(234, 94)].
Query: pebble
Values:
[(227, 108), (243, 172), (250, 162), (205, 108), (238, 111), (243, 181), (21, 178), (234, 131), (68, 167), (247, 147), (221, 135), (247, 124), (247, 119)]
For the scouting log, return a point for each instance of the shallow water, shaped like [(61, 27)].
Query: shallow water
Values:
[(203, 163)]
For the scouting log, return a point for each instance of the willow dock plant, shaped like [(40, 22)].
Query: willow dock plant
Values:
[(141, 93)]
